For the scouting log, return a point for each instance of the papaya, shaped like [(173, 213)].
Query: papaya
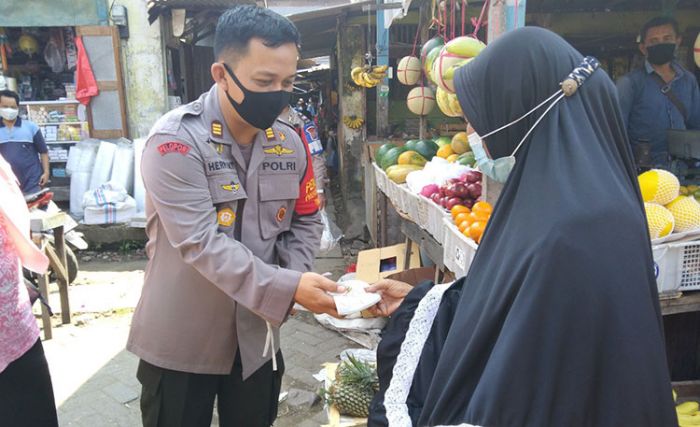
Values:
[(381, 151), (426, 148), (411, 158), (398, 173), (391, 157)]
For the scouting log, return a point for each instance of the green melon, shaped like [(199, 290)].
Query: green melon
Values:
[(391, 157), (381, 151)]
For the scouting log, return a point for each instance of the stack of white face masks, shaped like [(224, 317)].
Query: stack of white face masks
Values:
[(355, 298)]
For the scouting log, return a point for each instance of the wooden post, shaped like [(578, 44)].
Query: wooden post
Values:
[(504, 15), (45, 316), (383, 87), (62, 280), (424, 24)]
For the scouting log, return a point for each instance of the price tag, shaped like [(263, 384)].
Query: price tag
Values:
[(460, 257)]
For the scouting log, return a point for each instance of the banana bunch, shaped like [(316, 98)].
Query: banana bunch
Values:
[(368, 76), (688, 414), (353, 122)]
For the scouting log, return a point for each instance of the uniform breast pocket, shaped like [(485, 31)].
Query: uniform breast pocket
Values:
[(224, 185), (278, 194)]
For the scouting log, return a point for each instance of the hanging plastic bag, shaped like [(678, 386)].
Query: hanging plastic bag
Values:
[(331, 233)]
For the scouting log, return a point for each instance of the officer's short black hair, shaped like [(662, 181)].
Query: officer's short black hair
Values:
[(9, 94), (241, 23), (659, 21)]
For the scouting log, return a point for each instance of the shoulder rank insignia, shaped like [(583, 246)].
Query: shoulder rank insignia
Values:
[(279, 150), (270, 134), (217, 128)]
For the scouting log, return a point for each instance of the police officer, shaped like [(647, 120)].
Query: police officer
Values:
[(308, 132), (233, 228)]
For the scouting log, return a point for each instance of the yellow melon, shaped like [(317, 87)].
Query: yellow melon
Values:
[(659, 219), (686, 213), (659, 186)]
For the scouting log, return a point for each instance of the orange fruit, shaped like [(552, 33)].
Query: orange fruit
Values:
[(460, 218), (458, 209), (464, 226), (445, 151), (466, 233), (484, 207), (476, 230), (476, 216)]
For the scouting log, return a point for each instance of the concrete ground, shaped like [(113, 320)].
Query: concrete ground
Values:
[(94, 376)]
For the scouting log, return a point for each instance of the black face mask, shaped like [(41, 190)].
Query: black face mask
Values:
[(660, 54), (259, 109)]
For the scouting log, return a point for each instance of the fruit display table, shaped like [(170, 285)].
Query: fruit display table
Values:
[(681, 317)]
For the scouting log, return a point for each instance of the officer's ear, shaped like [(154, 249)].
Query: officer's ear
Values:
[(218, 74), (643, 49)]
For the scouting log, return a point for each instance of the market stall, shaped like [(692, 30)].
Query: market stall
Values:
[(43, 64), (422, 181)]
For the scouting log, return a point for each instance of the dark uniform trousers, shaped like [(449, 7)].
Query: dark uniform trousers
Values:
[(181, 399)]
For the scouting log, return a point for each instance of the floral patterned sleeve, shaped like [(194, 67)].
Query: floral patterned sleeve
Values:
[(18, 327)]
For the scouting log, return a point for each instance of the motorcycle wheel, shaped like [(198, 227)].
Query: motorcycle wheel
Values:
[(71, 267)]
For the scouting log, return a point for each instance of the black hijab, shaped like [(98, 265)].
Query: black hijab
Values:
[(558, 323)]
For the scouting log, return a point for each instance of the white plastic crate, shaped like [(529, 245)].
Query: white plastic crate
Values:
[(458, 249), (677, 266), (380, 178), (435, 224), (413, 204), (422, 212), (393, 192)]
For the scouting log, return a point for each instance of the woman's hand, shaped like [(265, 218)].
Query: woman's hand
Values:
[(392, 292)]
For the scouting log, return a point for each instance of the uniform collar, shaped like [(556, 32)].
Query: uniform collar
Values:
[(18, 122), (674, 64)]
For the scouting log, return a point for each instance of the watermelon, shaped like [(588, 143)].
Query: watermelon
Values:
[(381, 151), (426, 148), (431, 44), (411, 144), (391, 157)]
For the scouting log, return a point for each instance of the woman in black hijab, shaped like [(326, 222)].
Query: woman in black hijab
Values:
[(558, 321)]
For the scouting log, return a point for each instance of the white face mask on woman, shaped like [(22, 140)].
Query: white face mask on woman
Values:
[(499, 169)]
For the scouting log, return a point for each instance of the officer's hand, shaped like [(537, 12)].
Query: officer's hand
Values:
[(392, 292), (312, 294), (44, 179)]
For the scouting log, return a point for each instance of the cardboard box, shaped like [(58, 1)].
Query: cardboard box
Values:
[(377, 264), (416, 276)]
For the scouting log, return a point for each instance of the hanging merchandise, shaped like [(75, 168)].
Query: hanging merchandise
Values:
[(429, 52), (369, 75), (409, 69), (54, 51), (421, 100), (86, 86), (448, 103), (456, 53), (28, 44), (71, 50)]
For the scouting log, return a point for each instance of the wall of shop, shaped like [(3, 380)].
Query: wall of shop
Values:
[(53, 13), (144, 70)]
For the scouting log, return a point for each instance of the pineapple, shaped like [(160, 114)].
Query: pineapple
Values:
[(355, 384)]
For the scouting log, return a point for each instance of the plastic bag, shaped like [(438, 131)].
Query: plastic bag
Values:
[(331, 233), (54, 56)]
